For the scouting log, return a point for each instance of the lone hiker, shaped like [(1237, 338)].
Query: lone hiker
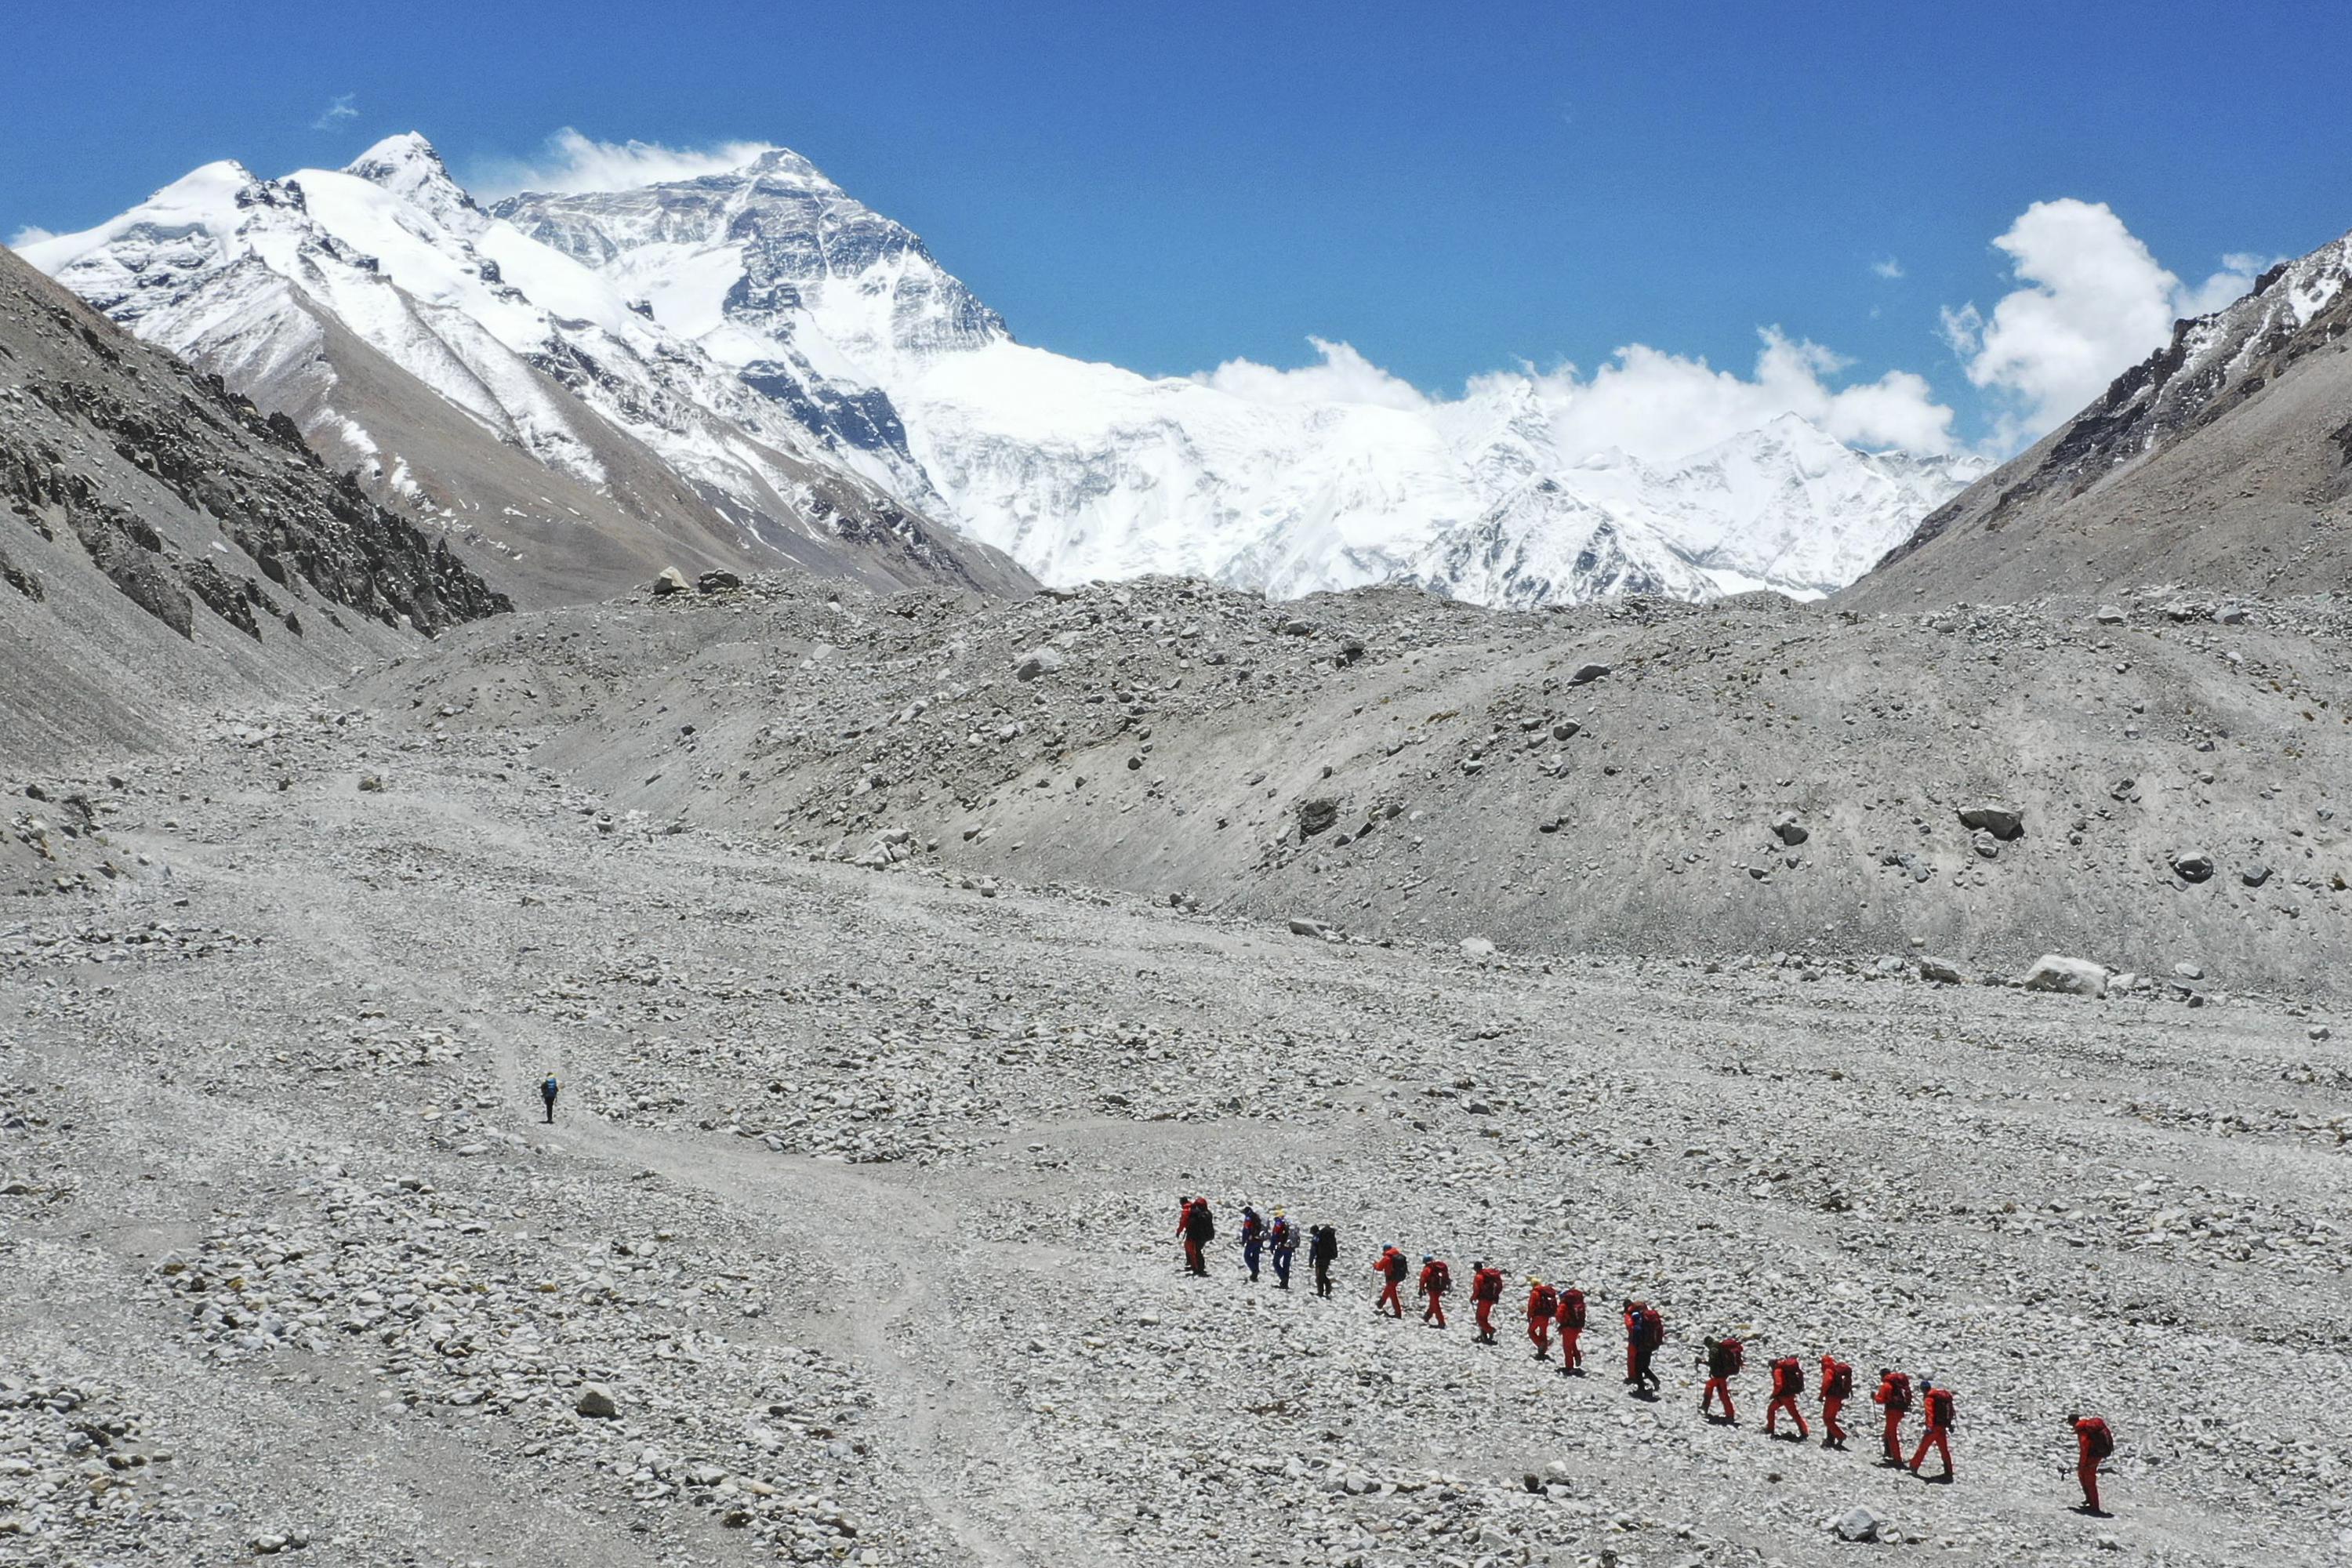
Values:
[(1723, 1358), (2094, 1443), (1940, 1420), (1571, 1329), (1391, 1267), (1543, 1305), (1837, 1387), (1322, 1248), (547, 1087), (1894, 1397), (1788, 1382), (1436, 1279), (1252, 1238), (1282, 1237), (1486, 1291)]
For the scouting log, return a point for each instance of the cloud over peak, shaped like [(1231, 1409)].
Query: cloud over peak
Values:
[(2094, 301), (571, 161)]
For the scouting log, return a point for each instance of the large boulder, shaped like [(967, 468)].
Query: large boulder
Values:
[(1789, 829), (2072, 977), (1037, 661), (1856, 1523), (1586, 674), (717, 580), (2003, 822), (1316, 817), (596, 1402), (1941, 971), (2192, 865), (671, 580)]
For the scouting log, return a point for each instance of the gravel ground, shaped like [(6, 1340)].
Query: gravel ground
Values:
[(856, 1212)]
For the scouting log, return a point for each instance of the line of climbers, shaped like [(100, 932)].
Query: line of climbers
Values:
[(1561, 1310)]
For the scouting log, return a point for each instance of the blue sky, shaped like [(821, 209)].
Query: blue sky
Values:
[(1450, 189)]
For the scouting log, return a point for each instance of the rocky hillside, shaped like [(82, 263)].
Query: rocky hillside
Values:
[(2154, 789), (161, 540), (2223, 461)]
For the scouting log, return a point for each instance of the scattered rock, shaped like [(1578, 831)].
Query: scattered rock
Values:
[(2192, 865), (1789, 829), (1586, 674), (1857, 1524), (2074, 976), (2003, 822), (597, 1401), (670, 580), (1037, 661), (1317, 815), (1477, 948), (1942, 972), (715, 580)]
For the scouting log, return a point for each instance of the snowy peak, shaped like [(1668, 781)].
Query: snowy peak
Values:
[(407, 167), (772, 258)]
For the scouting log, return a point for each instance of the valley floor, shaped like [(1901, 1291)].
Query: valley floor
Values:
[(858, 1197)]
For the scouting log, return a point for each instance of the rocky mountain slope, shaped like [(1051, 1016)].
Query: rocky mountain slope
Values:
[(468, 371), (1082, 472), (1744, 777), (161, 540), (2222, 462)]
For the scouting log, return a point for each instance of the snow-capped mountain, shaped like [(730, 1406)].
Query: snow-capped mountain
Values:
[(1081, 471), (308, 292), (754, 354)]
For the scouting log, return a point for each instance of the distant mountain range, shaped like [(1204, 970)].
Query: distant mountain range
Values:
[(751, 367)]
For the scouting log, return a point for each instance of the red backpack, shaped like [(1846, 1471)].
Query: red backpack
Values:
[(1837, 1382), (1546, 1303), (1939, 1408), (1486, 1285), (1895, 1393), (1441, 1277), (1787, 1377), (2102, 1441), (1395, 1268), (1572, 1308)]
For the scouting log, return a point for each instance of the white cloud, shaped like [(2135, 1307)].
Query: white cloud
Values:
[(1342, 376), (31, 233), (1886, 267), (2231, 283), (572, 162), (2095, 303), (334, 116), (1656, 406), (1660, 406)]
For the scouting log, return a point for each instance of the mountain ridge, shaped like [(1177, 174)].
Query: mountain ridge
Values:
[(2221, 462)]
